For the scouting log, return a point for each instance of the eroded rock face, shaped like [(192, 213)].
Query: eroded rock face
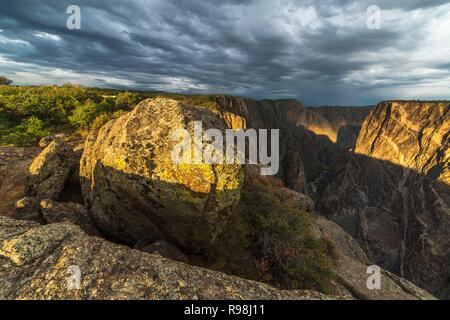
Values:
[(294, 172), (304, 155), (135, 191), (415, 135), (350, 267), (399, 213), (35, 261), (340, 124), (14, 163), (50, 171)]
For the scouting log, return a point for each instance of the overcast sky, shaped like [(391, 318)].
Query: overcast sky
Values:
[(317, 53)]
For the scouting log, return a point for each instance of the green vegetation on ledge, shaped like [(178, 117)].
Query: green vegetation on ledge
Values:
[(30, 113)]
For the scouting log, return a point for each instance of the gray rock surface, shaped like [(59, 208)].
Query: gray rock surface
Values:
[(34, 262), (351, 268), (54, 212)]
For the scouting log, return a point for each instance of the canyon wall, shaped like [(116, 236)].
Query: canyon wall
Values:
[(393, 195), (415, 135), (340, 124)]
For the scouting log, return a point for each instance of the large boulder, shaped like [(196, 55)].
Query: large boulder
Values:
[(134, 189), (50, 171), (38, 262)]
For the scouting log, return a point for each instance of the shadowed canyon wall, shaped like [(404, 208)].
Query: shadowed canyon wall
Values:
[(393, 197)]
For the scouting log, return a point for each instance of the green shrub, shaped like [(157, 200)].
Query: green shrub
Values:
[(284, 244), (25, 134), (268, 240), (107, 105), (127, 100), (83, 115)]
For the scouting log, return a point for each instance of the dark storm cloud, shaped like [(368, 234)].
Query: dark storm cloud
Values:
[(318, 53)]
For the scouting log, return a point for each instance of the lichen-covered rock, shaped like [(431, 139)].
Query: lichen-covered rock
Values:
[(134, 189), (37, 262), (54, 212), (49, 211), (14, 163), (50, 171)]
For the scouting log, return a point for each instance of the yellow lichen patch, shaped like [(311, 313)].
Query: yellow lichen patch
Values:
[(32, 245), (197, 177), (8, 249)]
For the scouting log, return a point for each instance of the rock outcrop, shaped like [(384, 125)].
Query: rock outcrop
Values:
[(414, 135), (399, 213), (50, 171), (351, 265), (48, 211), (14, 163), (135, 190), (42, 262), (340, 124), (162, 248)]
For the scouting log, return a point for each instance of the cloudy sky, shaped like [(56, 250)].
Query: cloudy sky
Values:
[(317, 53)]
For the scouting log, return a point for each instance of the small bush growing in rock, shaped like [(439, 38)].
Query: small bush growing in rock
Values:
[(270, 241)]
